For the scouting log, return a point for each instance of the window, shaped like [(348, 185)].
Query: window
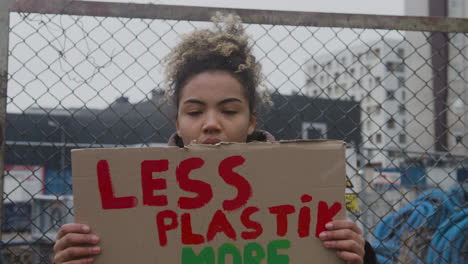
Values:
[(378, 109), (321, 79), (391, 123), (369, 125), (377, 52), (378, 138), (403, 95), (315, 92), (378, 80), (401, 53), (458, 137), (315, 68), (351, 71), (370, 139), (329, 65), (402, 138), (401, 82), (401, 108), (329, 90), (390, 66), (370, 82), (400, 67), (343, 60), (313, 130), (337, 75), (390, 95)]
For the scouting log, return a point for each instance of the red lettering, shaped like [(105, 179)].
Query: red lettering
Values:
[(108, 199), (282, 212), (325, 215), (244, 190), (219, 223), (303, 227), (201, 188), (163, 227), (248, 223), (188, 237), (149, 185)]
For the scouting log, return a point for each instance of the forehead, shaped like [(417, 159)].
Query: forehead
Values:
[(212, 84)]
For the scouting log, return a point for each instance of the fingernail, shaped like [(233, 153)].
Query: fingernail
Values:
[(323, 235), (327, 243), (94, 239), (96, 249), (85, 228), (329, 226)]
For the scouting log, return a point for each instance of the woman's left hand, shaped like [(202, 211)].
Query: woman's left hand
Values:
[(346, 237)]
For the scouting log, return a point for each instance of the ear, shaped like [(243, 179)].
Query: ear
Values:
[(252, 123)]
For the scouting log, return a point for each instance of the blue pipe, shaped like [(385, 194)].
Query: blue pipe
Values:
[(445, 215)]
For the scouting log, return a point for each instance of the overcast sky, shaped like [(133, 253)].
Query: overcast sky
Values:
[(58, 61), (381, 7)]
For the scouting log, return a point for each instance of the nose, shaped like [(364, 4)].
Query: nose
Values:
[(211, 123)]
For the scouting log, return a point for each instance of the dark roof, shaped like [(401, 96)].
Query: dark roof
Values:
[(150, 121)]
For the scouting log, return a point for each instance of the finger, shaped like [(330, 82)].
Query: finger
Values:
[(72, 228), (76, 253), (343, 224), (349, 257), (345, 245), (73, 239), (341, 234)]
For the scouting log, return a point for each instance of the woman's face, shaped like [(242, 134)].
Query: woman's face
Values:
[(213, 108)]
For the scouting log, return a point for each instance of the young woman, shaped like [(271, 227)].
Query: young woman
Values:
[(213, 78)]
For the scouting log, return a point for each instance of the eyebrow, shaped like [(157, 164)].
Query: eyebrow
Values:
[(224, 101), (229, 100)]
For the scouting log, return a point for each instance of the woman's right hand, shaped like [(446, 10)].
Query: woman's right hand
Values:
[(75, 245)]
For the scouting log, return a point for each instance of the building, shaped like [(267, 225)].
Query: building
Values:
[(437, 82), (374, 75)]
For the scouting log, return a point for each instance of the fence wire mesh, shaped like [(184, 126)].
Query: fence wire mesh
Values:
[(398, 98)]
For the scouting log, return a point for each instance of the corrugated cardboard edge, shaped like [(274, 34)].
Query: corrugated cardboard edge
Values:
[(221, 144)]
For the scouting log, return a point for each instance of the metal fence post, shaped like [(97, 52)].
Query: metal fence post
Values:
[(4, 41)]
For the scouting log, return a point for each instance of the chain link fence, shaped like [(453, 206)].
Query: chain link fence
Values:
[(89, 74)]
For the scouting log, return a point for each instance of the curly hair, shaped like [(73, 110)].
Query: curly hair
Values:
[(225, 47)]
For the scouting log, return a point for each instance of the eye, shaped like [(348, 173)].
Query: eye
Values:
[(194, 113), (230, 112)]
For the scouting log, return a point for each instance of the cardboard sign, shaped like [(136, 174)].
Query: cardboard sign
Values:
[(229, 203)]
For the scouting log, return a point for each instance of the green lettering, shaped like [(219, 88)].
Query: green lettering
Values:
[(206, 256), (273, 256), (253, 253), (230, 249)]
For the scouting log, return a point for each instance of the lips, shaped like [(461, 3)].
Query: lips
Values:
[(211, 141)]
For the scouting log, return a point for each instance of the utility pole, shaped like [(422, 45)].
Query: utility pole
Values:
[(4, 41)]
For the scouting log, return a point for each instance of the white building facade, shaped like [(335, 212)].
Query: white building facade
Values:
[(373, 74), (420, 82)]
